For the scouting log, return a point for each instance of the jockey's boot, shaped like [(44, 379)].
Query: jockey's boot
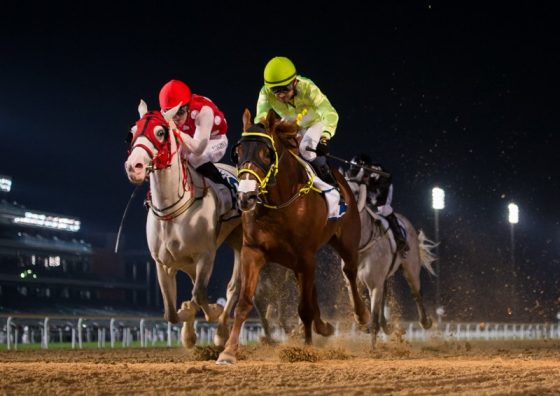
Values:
[(400, 239), (210, 171)]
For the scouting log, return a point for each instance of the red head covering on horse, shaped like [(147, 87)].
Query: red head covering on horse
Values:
[(146, 126)]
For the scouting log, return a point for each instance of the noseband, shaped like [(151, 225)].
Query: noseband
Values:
[(251, 157)]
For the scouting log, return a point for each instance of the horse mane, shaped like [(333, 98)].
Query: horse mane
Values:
[(286, 131)]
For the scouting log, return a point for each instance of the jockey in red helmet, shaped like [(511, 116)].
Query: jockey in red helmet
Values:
[(204, 125)]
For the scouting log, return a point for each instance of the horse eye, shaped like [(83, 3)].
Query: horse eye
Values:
[(160, 132)]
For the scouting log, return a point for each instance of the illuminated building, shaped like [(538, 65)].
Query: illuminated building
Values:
[(45, 266)]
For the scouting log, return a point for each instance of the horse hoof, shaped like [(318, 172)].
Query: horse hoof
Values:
[(323, 328), (188, 336), (363, 319), (387, 329), (427, 323), (328, 330), (172, 317), (187, 312), (214, 312), (219, 340), (226, 358)]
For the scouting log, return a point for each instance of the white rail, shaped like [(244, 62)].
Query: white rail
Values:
[(150, 331)]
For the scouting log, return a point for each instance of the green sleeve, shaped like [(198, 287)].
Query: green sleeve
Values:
[(263, 106), (324, 108)]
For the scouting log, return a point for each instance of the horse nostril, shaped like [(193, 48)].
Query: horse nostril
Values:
[(139, 166)]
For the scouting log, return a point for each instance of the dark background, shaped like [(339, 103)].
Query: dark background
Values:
[(462, 96)]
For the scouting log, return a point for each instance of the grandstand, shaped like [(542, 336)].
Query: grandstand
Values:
[(46, 267)]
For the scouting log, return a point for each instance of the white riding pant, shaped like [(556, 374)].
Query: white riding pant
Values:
[(386, 209), (311, 137)]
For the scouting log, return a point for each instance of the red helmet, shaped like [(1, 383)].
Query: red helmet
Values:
[(173, 93)]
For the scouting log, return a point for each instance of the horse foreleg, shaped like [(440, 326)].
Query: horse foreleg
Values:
[(305, 308), (231, 295), (187, 315), (168, 288), (349, 269), (413, 280), (376, 312), (387, 327), (252, 260), (204, 267), (323, 328), (262, 309)]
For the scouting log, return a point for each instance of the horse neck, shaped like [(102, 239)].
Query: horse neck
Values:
[(290, 178), (170, 187)]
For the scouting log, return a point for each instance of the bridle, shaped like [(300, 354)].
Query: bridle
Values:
[(254, 141), (161, 157)]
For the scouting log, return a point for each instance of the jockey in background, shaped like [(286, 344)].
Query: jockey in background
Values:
[(297, 98), (379, 195), (205, 126)]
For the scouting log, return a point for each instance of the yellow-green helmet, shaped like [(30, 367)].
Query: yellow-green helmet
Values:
[(279, 71)]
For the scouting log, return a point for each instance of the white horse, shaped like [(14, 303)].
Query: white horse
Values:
[(183, 228), (379, 260)]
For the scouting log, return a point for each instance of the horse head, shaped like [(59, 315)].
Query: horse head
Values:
[(257, 155), (150, 145)]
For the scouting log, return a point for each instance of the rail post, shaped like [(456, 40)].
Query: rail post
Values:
[(80, 320), (142, 335), (45, 341), (9, 333)]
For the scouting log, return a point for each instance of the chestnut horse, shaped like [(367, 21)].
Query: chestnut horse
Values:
[(184, 228), (285, 221)]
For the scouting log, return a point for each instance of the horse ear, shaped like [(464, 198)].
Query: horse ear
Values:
[(246, 119), (169, 114), (142, 108)]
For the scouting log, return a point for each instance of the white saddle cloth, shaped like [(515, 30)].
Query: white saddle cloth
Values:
[(225, 206)]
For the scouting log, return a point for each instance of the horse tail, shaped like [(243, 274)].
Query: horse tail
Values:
[(426, 255)]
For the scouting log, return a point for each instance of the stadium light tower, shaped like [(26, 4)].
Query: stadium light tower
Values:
[(513, 218), (438, 203)]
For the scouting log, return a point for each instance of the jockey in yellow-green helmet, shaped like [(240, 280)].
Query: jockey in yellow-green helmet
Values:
[(297, 98)]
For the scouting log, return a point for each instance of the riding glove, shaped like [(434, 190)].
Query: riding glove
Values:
[(322, 148)]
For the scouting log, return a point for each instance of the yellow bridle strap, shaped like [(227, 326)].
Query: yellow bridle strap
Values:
[(273, 170), (309, 185), (302, 191)]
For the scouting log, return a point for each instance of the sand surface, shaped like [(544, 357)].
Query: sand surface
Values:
[(335, 368)]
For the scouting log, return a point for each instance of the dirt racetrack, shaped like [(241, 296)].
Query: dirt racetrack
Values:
[(335, 368)]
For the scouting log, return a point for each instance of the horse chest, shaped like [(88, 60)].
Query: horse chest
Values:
[(179, 241)]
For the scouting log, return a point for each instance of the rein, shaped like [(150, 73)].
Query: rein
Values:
[(273, 171)]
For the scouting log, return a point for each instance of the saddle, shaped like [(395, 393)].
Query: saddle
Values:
[(383, 228), (227, 205)]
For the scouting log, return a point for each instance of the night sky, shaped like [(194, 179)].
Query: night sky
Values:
[(461, 96)]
